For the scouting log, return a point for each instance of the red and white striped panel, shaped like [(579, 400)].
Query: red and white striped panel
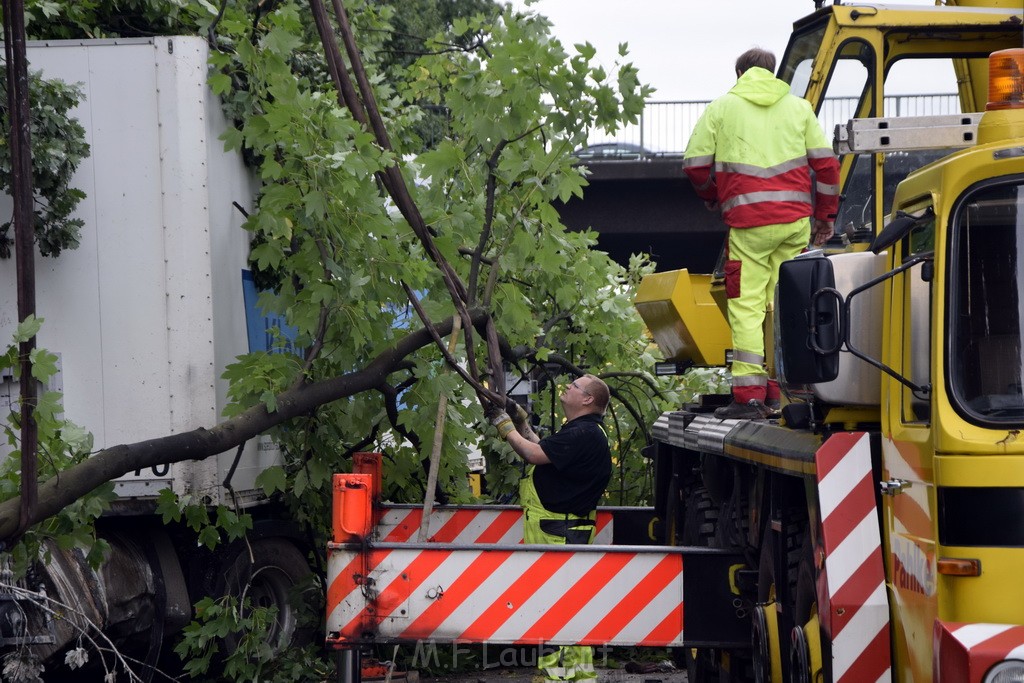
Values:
[(562, 595), (857, 614), (497, 524), (965, 652)]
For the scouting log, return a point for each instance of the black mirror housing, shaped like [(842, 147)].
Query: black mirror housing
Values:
[(806, 322)]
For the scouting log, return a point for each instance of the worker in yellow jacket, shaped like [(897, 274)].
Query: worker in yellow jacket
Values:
[(751, 154), (566, 476)]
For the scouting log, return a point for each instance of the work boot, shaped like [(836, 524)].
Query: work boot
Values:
[(751, 410), (774, 406)]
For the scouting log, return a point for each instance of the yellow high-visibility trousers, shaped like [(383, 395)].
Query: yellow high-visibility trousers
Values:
[(751, 271), (569, 662)]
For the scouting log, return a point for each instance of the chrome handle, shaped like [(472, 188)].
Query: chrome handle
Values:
[(894, 486)]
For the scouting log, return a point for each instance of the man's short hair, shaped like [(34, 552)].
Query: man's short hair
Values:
[(599, 390), (756, 56)]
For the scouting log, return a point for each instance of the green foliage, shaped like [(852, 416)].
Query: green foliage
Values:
[(61, 444), (56, 20), (704, 381), (58, 146), (211, 526), (255, 658)]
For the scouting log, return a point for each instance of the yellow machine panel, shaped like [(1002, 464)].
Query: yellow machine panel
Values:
[(684, 319)]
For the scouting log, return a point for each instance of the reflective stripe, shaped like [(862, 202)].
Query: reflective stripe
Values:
[(820, 153), (825, 188), (748, 357), (750, 381), (759, 171), (758, 197), (699, 161)]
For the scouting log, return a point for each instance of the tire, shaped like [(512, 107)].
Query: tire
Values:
[(701, 519), (764, 611), (767, 592), (670, 535), (699, 529), (276, 575), (804, 608), (805, 597)]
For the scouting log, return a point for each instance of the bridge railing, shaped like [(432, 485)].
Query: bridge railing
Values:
[(664, 127)]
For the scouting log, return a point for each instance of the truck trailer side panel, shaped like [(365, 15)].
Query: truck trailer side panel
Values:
[(148, 311)]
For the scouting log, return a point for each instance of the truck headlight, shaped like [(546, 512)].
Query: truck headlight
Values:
[(1008, 671)]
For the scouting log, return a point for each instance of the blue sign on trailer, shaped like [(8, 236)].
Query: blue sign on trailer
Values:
[(268, 332)]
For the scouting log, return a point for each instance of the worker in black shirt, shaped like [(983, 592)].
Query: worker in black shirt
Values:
[(560, 489)]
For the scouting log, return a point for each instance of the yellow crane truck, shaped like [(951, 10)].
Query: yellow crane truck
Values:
[(876, 531), (882, 518)]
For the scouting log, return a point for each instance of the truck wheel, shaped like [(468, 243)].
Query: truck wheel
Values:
[(276, 575), (670, 535), (699, 527), (764, 625), (765, 635), (805, 650), (701, 520)]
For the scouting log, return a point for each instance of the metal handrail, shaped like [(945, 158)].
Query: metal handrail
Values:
[(665, 126)]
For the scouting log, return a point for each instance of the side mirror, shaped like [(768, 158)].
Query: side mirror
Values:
[(809, 320)]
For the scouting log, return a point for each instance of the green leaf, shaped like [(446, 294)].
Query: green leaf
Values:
[(269, 399), (209, 537), (441, 161), (167, 506), (27, 328), (44, 364), (272, 479), (316, 205), (220, 83), (586, 50)]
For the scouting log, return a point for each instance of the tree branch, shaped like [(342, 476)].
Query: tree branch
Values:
[(367, 113), (198, 444), (321, 327), (485, 232), (435, 334)]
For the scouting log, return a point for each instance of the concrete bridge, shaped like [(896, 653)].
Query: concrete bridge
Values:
[(647, 205)]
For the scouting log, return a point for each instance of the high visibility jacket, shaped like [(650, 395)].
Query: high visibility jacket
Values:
[(752, 151)]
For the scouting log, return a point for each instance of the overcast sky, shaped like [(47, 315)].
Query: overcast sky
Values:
[(684, 48)]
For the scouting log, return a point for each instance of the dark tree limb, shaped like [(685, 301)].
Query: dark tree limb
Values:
[(367, 113), (20, 143), (321, 328), (435, 333), (68, 486)]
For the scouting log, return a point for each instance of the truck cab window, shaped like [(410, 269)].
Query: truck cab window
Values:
[(985, 316), (796, 64), (917, 321), (916, 87), (847, 97)]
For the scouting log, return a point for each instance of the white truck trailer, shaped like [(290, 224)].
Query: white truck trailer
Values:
[(144, 316)]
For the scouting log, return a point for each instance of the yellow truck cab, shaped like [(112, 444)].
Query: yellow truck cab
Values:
[(882, 516)]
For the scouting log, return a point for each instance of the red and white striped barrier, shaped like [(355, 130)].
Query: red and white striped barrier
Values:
[(497, 524), (855, 611), (965, 652), (530, 595)]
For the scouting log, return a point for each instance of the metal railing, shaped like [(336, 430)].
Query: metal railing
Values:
[(664, 127)]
